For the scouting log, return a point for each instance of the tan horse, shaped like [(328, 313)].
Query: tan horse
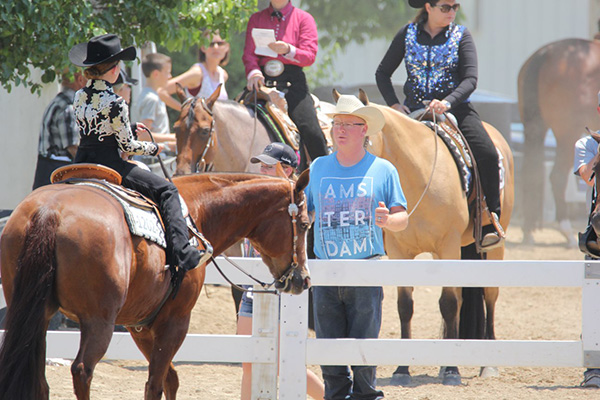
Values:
[(557, 85), (439, 225), (68, 246)]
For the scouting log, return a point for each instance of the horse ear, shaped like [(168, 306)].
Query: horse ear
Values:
[(214, 96), (362, 96), (335, 94), (302, 181), (183, 96)]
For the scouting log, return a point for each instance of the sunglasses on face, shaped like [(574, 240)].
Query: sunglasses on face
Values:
[(219, 43), (445, 8)]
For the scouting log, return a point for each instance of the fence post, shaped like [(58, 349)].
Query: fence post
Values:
[(292, 346), (590, 304), (265, 324)]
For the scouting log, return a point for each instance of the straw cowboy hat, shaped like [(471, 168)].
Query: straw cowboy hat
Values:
[(350, 105), (100, 49)]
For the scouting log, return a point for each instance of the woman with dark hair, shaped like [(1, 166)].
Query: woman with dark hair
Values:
[(441, 64), (203, 78)]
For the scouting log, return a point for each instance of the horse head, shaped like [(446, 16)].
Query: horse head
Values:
[(194, 130), (286, 258)]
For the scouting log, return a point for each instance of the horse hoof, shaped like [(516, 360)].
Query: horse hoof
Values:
[(591, 379), (489, 372), (401, 380), (450, 376)]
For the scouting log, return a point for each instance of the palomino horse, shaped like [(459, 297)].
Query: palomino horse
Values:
[(440, 224), (217, 135), (557, 90), (68, 247)]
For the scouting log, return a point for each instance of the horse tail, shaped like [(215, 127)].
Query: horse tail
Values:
[(472, 312), (23, 352), (534, 132)]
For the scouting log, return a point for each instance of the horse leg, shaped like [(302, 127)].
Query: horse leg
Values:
[(450, 305), (168, 337), (405, 304), (534, 131), (490, 295), (558, 180), (144, 341), (95, 338)]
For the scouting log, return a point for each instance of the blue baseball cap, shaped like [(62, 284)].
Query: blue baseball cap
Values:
[(277, 152)]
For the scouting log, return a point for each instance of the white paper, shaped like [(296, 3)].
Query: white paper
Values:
[(262, 38)]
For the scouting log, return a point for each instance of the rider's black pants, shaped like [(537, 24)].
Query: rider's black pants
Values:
[(484, 151), (159, 190)]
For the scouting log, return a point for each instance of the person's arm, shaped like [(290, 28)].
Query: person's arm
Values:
[(388, 65), (303, 51), (584, 159), (394, 219), (467, 67), (119, 120)]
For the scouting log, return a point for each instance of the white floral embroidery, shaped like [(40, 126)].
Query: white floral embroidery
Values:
[(102, 114)]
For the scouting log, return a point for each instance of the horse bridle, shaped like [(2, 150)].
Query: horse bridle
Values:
[(287, 276), (190, 120)]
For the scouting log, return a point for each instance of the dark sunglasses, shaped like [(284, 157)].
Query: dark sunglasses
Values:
[(219, 42), (445, 8)]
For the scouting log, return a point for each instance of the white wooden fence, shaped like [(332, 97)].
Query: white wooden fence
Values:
[(296, 349)]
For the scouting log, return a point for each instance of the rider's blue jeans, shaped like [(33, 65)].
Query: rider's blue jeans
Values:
[(348, 312)]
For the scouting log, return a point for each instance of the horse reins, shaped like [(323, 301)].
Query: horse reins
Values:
[(286, 277), (435, 134)]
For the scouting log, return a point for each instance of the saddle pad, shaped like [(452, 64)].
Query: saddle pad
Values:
[(144, 222), (462, 164)]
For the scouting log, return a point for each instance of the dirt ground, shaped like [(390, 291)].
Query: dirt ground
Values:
[(522, 313)]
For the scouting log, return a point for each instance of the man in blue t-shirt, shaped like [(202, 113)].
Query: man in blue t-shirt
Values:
[(354, 195)]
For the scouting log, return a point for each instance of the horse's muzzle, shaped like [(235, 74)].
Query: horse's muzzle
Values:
[(295, 282)]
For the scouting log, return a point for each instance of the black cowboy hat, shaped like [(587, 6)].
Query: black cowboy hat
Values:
[(417, 3), (100, 49), (124, 78)]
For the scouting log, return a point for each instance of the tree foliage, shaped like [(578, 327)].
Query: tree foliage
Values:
[(39, 33)]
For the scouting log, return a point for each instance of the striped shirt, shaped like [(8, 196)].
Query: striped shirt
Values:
[(59, 129)]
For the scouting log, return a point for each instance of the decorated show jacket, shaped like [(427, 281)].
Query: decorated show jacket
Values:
[(103, 120), (443, 67)]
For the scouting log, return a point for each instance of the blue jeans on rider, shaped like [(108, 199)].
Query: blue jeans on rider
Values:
[(348, 312)]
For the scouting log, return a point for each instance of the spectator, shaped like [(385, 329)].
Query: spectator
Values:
[(203, 78), (149, 109), (294, 47), (59, 134), (354, 195), (275, 160)]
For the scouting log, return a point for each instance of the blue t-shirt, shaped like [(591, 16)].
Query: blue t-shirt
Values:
[(344, 200)]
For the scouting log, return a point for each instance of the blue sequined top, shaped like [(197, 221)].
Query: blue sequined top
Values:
[(432, 69), (443, 67)]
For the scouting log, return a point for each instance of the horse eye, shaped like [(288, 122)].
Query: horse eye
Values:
[(304, 226)]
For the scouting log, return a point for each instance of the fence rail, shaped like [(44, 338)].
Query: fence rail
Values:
[(296, 349)]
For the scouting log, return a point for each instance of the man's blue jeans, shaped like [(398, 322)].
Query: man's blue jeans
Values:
[(348, 312)]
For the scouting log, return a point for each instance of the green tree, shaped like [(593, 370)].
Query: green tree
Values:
[(39, 33)]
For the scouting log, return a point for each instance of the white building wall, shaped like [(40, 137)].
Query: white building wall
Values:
[(21, 116), (506, 33)]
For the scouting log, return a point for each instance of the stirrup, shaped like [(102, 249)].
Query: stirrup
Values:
[(493, 240)]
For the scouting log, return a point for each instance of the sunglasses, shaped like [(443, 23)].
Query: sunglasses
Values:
[(445, 8), (219, 43)]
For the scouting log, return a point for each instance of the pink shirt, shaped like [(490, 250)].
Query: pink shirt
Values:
[(297, 28)]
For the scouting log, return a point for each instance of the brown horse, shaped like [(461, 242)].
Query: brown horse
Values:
[(440, 224), (217, 135), (68, 247), (558, 88)]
